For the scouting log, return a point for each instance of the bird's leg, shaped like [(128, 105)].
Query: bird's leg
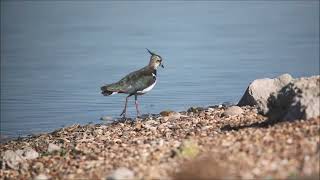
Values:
[(124, 112), (137, 105)]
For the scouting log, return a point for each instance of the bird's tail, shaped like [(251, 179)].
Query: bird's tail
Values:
[(106, 90)]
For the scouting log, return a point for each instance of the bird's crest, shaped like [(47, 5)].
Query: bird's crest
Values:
[(150, 52)]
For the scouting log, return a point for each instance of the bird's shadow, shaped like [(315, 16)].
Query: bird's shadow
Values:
[(264, 124), (123, 120), (129, 120)]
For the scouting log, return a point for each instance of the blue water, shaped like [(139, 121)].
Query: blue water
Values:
[(56, 55)]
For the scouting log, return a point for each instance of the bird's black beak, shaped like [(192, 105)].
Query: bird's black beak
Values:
[(162, 65)]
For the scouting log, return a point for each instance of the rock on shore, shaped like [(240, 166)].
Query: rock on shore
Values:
[(14, 159), (284, 98), (260, 90)]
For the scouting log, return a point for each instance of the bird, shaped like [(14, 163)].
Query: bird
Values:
[(136, 83)]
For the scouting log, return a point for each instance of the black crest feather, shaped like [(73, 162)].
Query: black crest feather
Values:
[(150, 52)]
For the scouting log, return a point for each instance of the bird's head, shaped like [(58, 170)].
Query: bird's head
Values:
[(155, 60)]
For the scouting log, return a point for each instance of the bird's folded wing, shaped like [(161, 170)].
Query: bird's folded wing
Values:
[(143, 82), (133, 82)]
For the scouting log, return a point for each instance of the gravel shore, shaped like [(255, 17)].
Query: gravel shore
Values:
[(202, 143)]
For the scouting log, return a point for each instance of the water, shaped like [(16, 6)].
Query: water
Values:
[(56, 55)]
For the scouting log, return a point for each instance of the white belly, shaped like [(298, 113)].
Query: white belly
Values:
[(147, 89)]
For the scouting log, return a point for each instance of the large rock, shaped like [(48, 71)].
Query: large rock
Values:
[(260, 90), (284, 98), (300, 99)]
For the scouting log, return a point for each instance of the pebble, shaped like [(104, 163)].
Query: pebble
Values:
[(138, 126), (106, 118), (195, 109), (121, 173), (171, 115), (165, 113), (233, 111), (38, 167), (210, 109), (53, 147), (151, 123), (41, 177), (144, 116), (174, 116), (30, 153)]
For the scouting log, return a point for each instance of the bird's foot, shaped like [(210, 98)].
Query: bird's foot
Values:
[(138, 114), (124, 117), (123, 114)]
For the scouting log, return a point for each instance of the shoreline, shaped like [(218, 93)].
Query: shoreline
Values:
[(104, 120), (164, 146), (272, 134)]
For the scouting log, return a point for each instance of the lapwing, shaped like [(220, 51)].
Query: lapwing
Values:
[(136, 83)]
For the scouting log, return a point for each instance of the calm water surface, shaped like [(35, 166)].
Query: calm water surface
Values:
[(56, 55)]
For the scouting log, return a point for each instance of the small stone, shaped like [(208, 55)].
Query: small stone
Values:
[(174, 116), (233, 111), (30, 153), (192, 109), (53, 147), (165, 119), (98, 131), (200, 109), (210, 109), (151, 122), (38, 167), (202, 114), (149, 127), (106, 118), (183, 112), (144, 116), (121, 173), (289, 141), (165, 113), (226, 143), (138, 126), (41, 177)]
